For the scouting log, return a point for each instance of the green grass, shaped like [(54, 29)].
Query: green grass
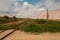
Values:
[(8, 26), (40, 26), (33, 25), (12, 25), (4, 20)]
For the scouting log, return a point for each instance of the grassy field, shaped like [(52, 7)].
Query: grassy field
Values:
[(10, 23), (10, 20), (33, 25), (39, 25)]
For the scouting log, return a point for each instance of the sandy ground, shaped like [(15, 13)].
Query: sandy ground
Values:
[(19, 35), (1, 31)]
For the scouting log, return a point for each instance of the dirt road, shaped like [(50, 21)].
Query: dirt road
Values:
[(20, 35)]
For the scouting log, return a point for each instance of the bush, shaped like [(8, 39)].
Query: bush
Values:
[(6, 17), (34, 28), (5, 27), (41, 21), (2, 21), (53, 26), (14, 17), (28, 28), (8, 26)]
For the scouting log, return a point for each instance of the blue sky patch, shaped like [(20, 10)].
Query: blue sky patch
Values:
[(57, 0), (33, 2)]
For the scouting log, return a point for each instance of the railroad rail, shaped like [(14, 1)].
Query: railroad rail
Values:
[(21, 24)]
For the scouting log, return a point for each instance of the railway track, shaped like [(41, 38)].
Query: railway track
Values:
[(6, 34), (12, 31)]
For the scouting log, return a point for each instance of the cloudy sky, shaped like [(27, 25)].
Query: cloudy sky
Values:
[(27, 8)]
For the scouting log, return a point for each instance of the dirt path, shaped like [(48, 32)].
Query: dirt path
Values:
[(0, 31), (19, 35)]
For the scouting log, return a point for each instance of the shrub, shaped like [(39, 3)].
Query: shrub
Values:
[(41, 21), (14, 17), (8, 26), (53, 26), (6, 17), (34, 28), (2, 21), (27, 27)]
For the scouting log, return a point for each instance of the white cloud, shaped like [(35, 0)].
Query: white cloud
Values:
[(6, 7), (26, 4), (30, 7), (16, 4), (0, 9), (6, 4), (27, 10), (50, 4)]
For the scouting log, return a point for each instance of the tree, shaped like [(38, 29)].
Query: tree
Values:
[(14, 17), (6, 17)]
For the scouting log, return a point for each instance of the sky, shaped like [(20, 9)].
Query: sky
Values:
[(27, 8)]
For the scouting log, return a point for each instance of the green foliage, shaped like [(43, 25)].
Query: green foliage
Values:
[(41, 28), (14, 17), (41, 21), (6, 17), (2, 21), (29, 27), (8, 26), (34, 28), (53, 26)]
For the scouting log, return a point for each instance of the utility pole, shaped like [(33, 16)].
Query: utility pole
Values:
[(47, 17)]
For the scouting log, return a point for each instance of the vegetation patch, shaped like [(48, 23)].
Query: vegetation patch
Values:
[(40, 26), (8, 26)]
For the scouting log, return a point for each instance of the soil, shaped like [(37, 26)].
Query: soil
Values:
[(20, 35)]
